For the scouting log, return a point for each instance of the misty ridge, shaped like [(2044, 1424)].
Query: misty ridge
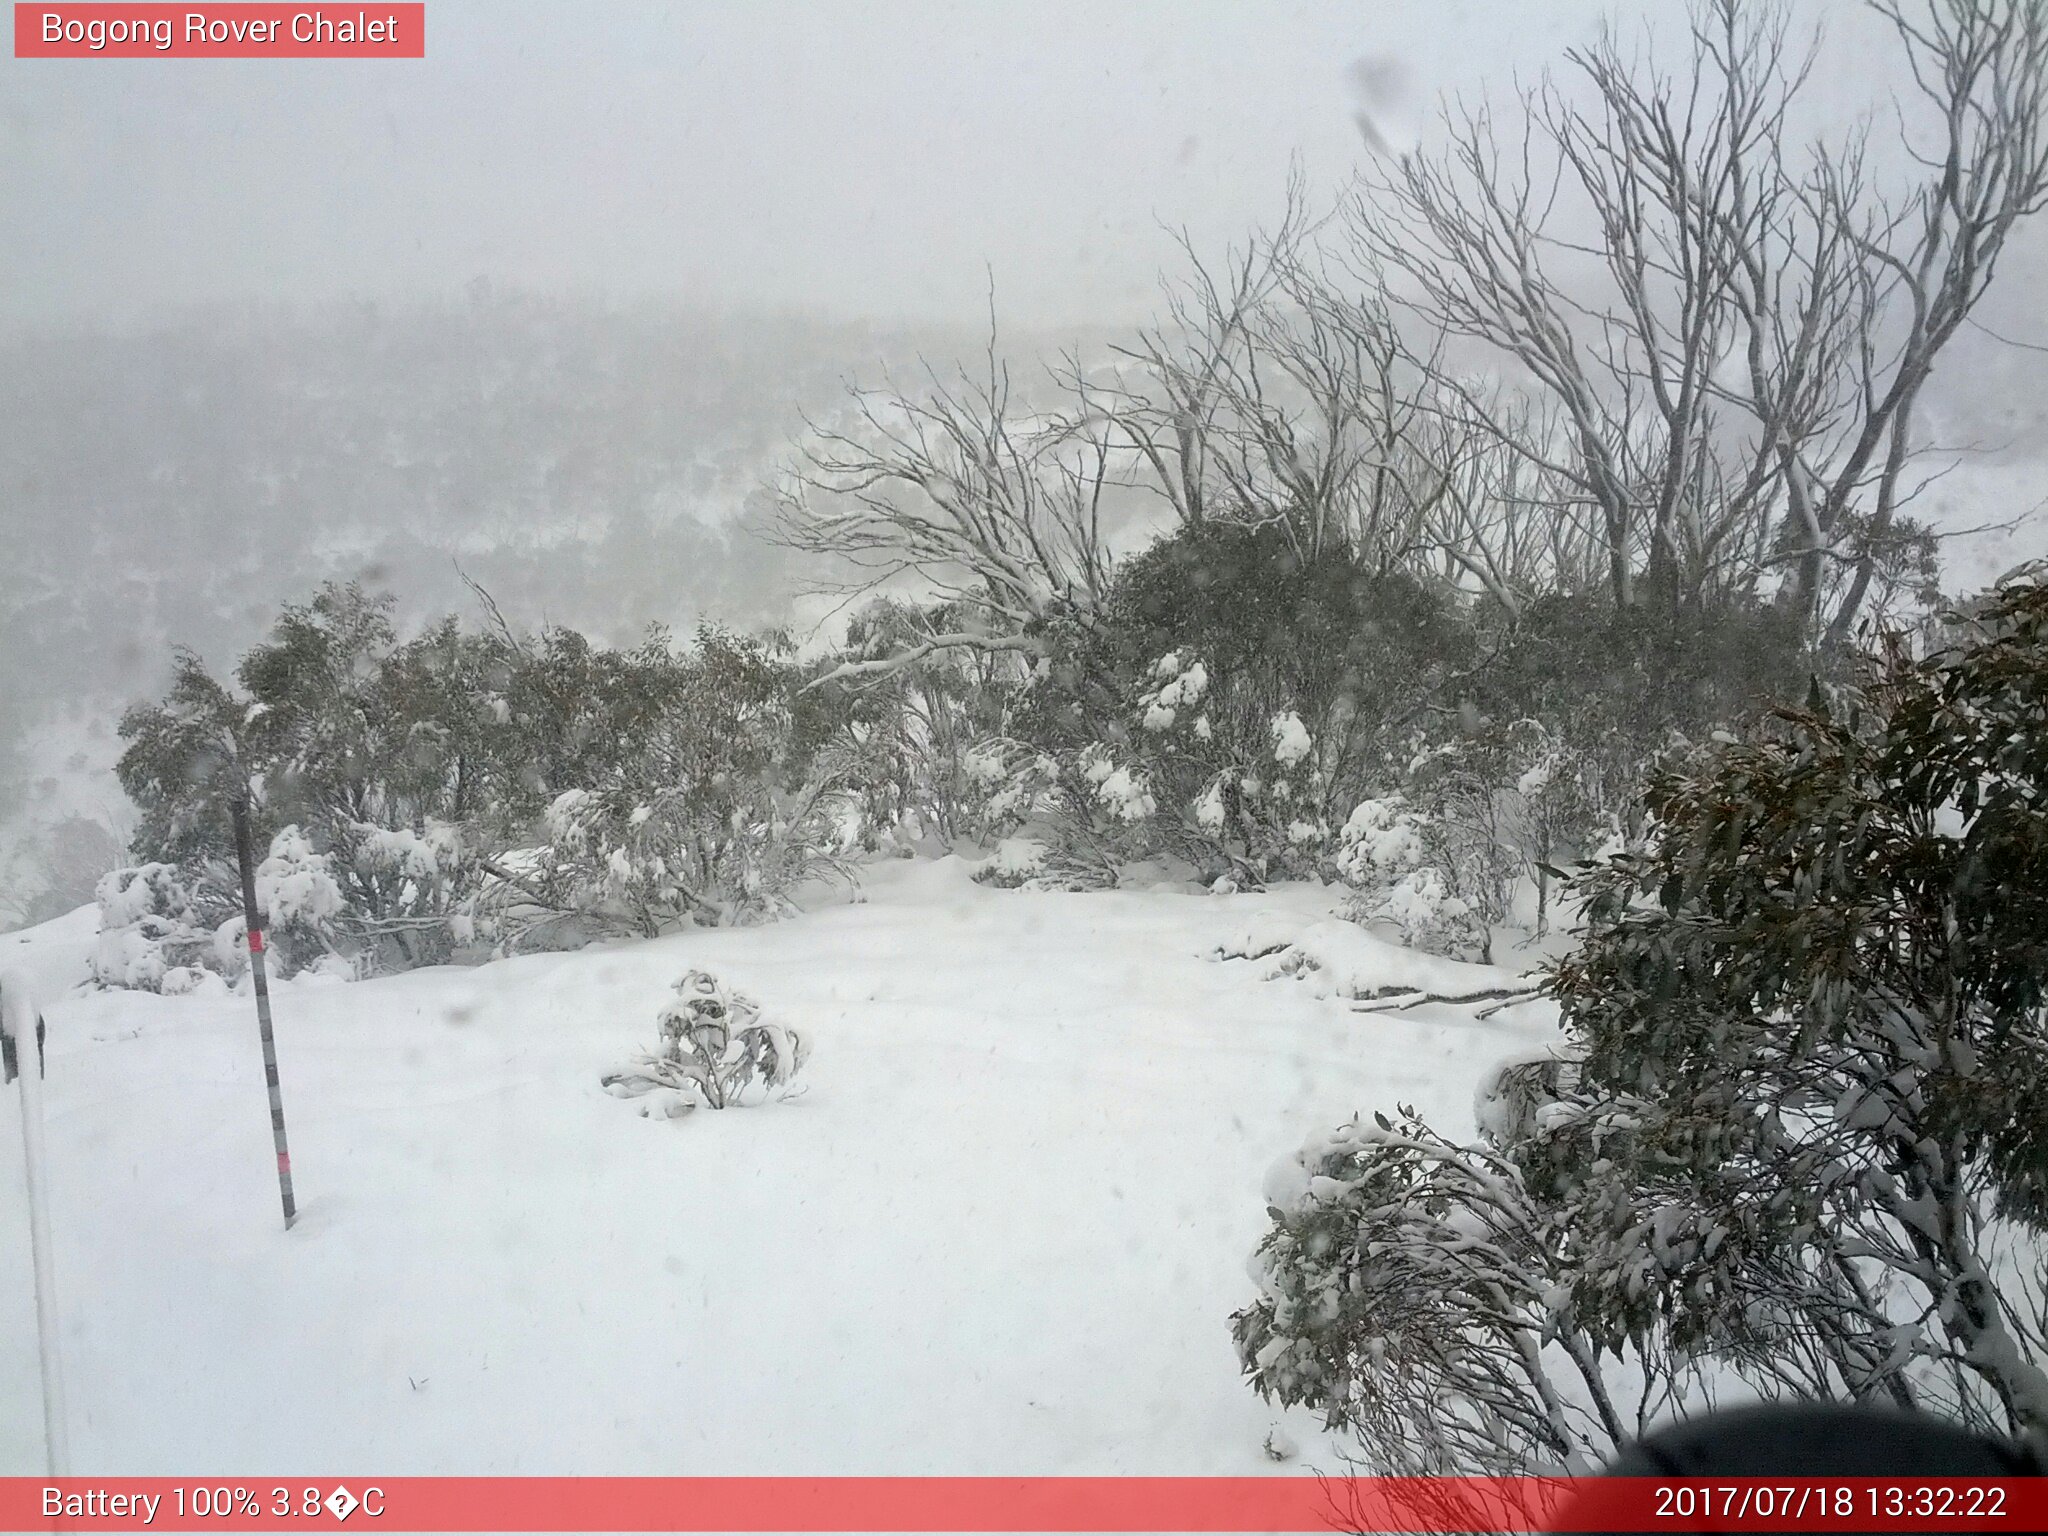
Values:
[(593, 464), (600, 465)]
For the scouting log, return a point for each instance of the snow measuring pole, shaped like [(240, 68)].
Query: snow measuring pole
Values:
[(21, 1032), (262, 981)]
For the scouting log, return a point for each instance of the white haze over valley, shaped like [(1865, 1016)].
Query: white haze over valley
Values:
[(551, 303)]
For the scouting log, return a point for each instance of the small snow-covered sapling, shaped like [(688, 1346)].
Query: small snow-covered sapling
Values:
[(715, 1046)]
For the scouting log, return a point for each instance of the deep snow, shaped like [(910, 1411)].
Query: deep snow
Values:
[(1000, 1231)]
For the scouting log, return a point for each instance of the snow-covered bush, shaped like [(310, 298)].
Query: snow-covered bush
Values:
[(160, 926), (1433, 917), (164, 929), (1006, 785), (408, 897), (460, 789), (300, 901), (1291, 741), (1125, 793), (1403, 862), (1246, 806), (1617, 685), (712, 814), (1555, 811), (1381, 841), (1792, 1132), (1053, 821), (1470, 819), (1179, 687), (371, 769), (1409, 1291), (1015, 861), (1824, 973), (645, 859), (1478, 814), (1214, 710), (1160, 783), (716, 1051), (383, 901), (914, 728), (1270, 685)]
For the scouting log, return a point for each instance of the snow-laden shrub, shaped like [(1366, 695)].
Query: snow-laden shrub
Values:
[(408, 897), (1409, 1291), (1006, 785), (161, 925), (1015, 861), (1380, 842), (1053, 821), (163, 929), (714, 812), (1478, 813), (300, 900), (1792, 1134), (716, 1051), (1143, 770), (1401, 861), (635, 859), (412, 770), (1126, 794), (1291, 741), (1556, 810), (190, 980), (381, 902), (1179, 688), (1247, 802), (1433, 917), (910, 716)]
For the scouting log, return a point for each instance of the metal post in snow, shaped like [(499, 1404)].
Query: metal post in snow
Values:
[(20, 1024), (256, 972)]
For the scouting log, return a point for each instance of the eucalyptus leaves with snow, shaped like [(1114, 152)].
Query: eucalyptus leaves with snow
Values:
[(715, 1048)]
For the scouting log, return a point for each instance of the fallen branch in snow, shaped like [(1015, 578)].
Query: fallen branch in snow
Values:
[(1502, 997), (1222, 952)]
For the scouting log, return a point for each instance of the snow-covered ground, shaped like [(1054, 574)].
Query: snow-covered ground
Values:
[(1000, 1232)]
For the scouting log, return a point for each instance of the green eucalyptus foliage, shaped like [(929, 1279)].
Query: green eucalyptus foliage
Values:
[(1801, 1103)]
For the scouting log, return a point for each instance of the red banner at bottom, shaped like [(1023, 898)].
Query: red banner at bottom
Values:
[(1063, 1504)]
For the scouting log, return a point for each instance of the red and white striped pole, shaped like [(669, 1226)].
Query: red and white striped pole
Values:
[(256, 971)]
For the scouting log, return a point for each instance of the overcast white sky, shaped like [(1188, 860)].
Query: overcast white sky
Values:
[(872, 159)]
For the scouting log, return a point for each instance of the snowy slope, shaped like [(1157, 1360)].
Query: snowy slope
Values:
[(1001, 1232), (54, 956)]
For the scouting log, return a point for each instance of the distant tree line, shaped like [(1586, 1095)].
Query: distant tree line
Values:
[(464, 789)]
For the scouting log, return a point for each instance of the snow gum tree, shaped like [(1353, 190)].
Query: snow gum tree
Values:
[(1797, 1133), (422, 796), (1295, 679), (1839, 989), (710, 814), (1728, 374), (365, 745)]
